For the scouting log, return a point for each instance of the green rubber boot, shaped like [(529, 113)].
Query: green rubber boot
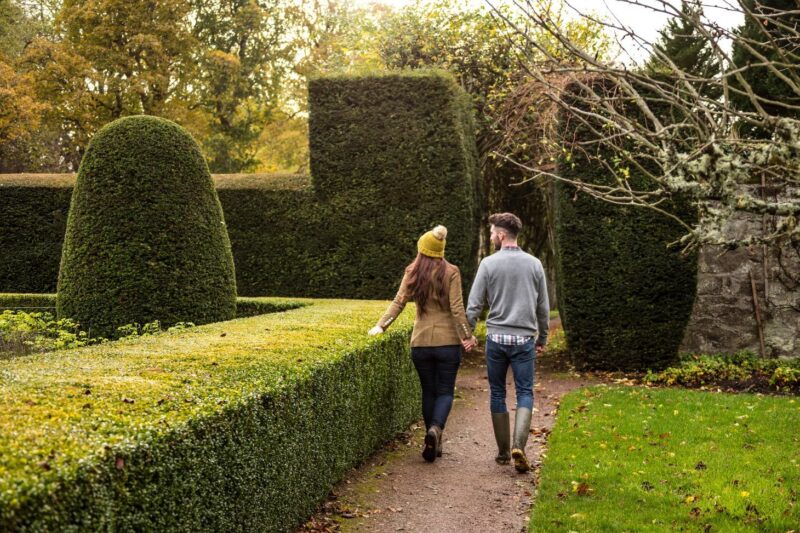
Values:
[(522, 428), (502, 434)]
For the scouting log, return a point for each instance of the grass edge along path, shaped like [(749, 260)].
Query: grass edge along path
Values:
[(244, 424), (640, 459)]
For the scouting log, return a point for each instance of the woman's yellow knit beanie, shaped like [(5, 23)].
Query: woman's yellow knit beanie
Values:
[(432, 243)]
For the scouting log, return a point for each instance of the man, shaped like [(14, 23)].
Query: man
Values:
[(513, 284)]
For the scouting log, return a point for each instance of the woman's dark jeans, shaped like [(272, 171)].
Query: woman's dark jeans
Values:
[(437, 367)]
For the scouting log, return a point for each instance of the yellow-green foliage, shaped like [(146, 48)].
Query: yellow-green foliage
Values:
[(27, 302), (243, 425), (245, 306)]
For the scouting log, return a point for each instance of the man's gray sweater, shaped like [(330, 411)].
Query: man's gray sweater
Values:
[(513, 283)]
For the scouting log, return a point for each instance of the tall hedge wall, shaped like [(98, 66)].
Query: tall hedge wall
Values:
[(391, 156), (145, 239), (625, 298), (242, 425)]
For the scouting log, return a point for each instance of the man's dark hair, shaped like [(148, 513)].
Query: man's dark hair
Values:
[(508, 221)]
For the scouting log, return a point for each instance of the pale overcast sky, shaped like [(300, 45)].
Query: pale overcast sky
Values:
[(642, 20)]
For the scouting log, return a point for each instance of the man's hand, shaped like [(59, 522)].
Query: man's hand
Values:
[(470, 343), (540, 348), (377, 330)]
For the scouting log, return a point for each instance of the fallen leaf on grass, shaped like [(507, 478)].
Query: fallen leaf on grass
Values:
[(582, 488)]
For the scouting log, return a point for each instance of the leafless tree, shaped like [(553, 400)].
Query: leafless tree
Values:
[(730, 147)]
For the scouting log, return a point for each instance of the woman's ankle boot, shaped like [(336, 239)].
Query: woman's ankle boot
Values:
[(432, 438)]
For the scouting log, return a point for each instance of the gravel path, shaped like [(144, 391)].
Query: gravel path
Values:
[(463, 491)]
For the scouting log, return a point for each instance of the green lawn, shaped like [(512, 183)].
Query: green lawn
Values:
[(637, 459)]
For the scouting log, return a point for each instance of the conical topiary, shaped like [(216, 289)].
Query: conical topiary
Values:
[(146, 239)]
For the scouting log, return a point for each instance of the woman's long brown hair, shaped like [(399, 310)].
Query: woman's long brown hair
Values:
[(425, 279)]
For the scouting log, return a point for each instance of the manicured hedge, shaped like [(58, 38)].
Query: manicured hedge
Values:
[(279, 235), (393, 155), (624, 297), (28, 302), (262, 212), (146, 239), (240, 425), (33, 219), (244, 306)]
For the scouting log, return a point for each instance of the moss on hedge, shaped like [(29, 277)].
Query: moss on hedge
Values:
[(145, 239), (239, 425), (625, 298)]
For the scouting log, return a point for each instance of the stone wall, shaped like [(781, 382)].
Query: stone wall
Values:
[(724, 314)]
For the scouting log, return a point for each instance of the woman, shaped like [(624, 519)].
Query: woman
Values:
[(440, 325)]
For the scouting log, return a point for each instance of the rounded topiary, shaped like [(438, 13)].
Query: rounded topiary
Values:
[(146, 239)]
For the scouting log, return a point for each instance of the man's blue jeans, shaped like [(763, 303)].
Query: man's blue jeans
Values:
[(521, 359), (437, 367)]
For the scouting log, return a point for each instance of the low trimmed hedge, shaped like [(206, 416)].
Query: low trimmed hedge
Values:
[(245, 306), (28, 302), (238, 425)]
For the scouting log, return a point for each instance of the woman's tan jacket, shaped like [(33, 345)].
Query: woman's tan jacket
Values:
[(438, 326)]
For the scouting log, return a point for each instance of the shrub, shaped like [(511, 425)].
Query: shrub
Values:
[(22, 333), (624, 296), (280, 236), (145, 236), (239, 425), (738, 371)]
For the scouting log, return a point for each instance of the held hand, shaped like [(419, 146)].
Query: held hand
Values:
[(469, 344), (540, 348), (377, 330)]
